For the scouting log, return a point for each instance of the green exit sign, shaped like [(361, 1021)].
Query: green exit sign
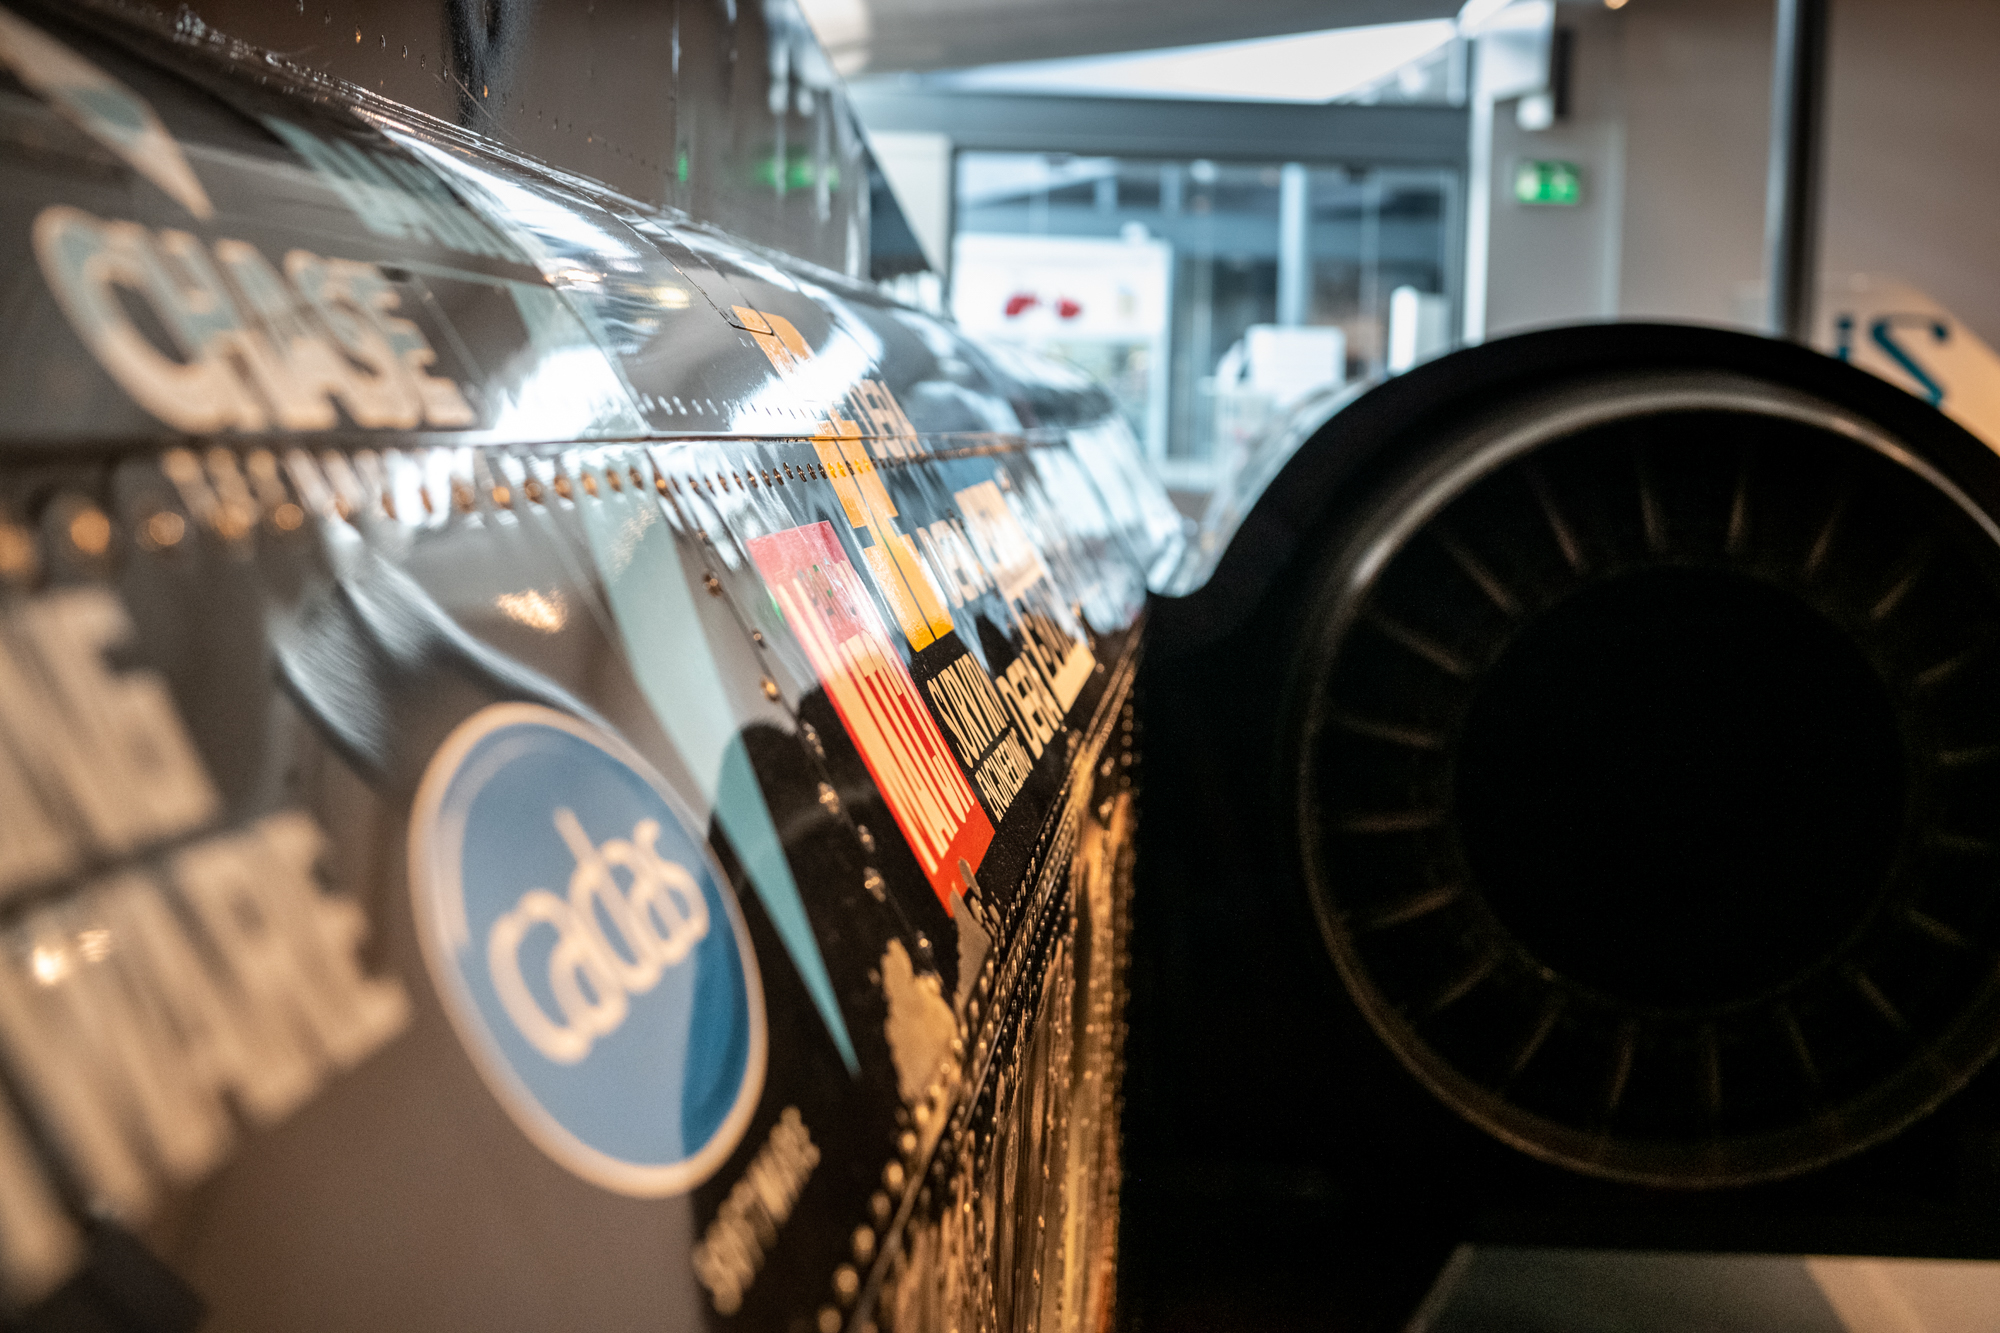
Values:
[(1541, 182)]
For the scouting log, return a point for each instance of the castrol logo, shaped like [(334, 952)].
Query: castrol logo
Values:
[(587, 949)]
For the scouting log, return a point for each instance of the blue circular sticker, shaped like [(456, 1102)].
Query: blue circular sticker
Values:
[(588, 950)]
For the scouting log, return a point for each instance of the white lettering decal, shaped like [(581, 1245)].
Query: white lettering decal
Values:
[(354, 301), (226, 1046), (86, 263), (95, 994), (964, 578), (1027, 697), (980, 725), (136, 1012), (350, 1014), (40, 1246), (657, 921), (267, 351), (108, 746), (1052, 651), (306, 372), (283, 940), (32, 846), (128, 1033), (138, 778), (1002, 541), (746, 1226), (65, 1089)]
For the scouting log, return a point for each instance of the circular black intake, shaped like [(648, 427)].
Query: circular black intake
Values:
[(1645, 739)]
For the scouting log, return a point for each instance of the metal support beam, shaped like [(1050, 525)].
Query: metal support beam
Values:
[(1294, 245), (1791, 207), (1394, 136)]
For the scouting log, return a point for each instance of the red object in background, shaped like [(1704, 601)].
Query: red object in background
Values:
[(1021, 302), (1069, 308)]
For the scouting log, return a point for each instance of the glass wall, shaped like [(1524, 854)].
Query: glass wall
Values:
[(1208, 295)]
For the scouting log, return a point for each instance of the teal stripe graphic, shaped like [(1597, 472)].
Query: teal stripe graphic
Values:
[(657, 618)]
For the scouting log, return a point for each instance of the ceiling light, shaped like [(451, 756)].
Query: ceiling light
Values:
[(1473, 14)]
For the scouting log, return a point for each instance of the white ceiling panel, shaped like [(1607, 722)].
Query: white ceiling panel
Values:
[(885, 36)]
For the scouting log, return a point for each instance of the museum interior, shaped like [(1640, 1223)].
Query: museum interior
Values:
[(1000, 666)]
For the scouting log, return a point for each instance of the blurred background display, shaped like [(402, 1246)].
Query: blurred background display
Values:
[(1209, 295)]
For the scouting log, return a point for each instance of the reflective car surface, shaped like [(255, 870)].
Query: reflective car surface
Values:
[(560, 770), (563, 766)]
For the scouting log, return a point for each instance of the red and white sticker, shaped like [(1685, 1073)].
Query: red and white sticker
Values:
[(826, 605)]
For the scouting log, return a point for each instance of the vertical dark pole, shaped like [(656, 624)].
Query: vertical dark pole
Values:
[(1791, 206)]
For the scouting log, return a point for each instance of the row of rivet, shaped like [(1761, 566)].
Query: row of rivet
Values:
[(948, 1093), (230, 494), (829, 798), (934, 1116), (946, 1099), (846, 1279)]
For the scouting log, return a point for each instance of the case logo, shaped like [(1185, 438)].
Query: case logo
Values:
[(588, 952)]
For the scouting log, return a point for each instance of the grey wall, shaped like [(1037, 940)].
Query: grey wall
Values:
[(1553, 265), (1673, 95), (1913, 176), (1697, 79)]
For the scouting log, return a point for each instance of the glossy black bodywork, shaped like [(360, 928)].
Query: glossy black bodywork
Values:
[(392, 473)]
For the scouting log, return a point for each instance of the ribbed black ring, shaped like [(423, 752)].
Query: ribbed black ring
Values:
[(1649, 785)]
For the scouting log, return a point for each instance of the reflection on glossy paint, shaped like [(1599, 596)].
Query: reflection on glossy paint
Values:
[(541, 217), (572, 392), (50, 965), (393, 196), (820, 381), (103, 108), (544, 611), (636, 555)]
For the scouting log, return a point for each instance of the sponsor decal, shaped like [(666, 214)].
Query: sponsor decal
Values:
[(746, 1226), (588, 950), (891, 555), (963, 578), (395, 198), (1052, 650), (824, 603), (254, 350), (1012, 557), (98, 763), (174, 985), (103, 108), (984, 729), (676, 663), (1000, 724)]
